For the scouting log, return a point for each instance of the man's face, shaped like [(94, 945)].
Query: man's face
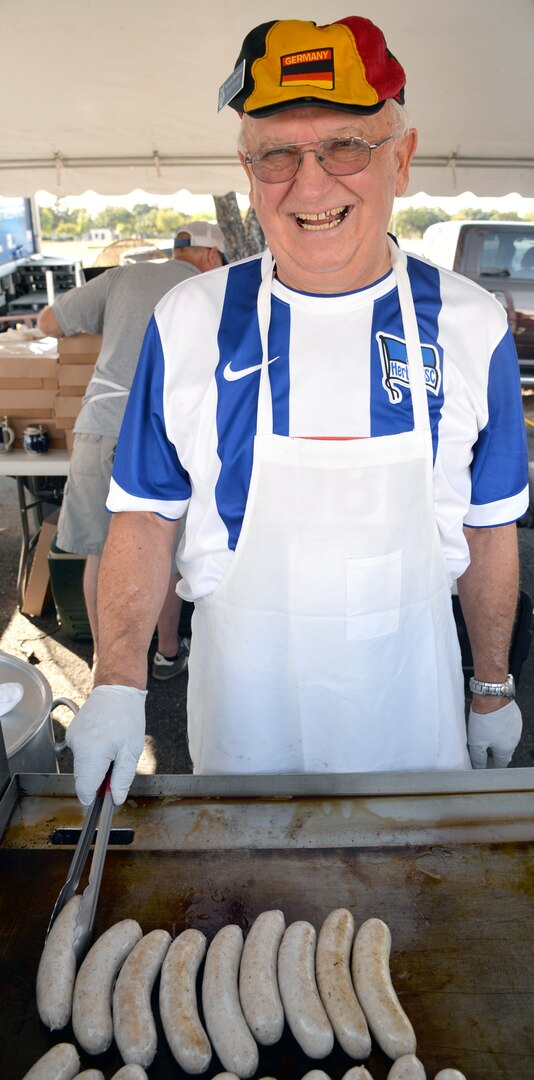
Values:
[(352, 252)]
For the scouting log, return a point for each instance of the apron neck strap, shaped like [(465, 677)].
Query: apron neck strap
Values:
[(416, 371), (265, 402)]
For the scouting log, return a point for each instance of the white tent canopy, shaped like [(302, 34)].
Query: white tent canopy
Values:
[(113, 95)]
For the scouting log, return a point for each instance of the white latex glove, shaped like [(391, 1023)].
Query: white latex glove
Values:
[(498, 731), (109, 727)]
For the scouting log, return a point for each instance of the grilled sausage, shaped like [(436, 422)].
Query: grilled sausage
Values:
[(90, 1074), (332, 966), (258, 981), (59, 1063), (130, 1072), (407, 1067), (56, 973), (449, 1074), (178, 1002), (133, 1023), (227, 1027), (92, 1021), (358, 1072), (370, 971), (303, 1008)]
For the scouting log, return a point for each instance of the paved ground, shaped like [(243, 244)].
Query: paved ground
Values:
[(66, 663)]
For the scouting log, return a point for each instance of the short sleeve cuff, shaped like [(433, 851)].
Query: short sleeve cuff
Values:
[(502, 512), (119, 500)]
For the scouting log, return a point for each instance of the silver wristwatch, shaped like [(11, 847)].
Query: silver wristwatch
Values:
[(494, 689)]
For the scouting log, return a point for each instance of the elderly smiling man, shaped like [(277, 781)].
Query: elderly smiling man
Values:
[(344, 425)]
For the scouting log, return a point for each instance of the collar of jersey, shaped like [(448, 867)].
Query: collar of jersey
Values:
[(337, 302)]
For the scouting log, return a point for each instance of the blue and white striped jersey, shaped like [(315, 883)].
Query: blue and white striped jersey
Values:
[(338, 368)]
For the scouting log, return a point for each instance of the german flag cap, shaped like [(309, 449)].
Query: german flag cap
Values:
[(290, 63)]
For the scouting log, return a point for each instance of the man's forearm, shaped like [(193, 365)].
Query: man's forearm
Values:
[(488, 593), (132, 584)]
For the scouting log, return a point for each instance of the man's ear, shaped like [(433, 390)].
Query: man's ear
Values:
[(213, 258), (406, 147)]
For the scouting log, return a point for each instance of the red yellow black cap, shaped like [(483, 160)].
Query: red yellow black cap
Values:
[(290, 63)]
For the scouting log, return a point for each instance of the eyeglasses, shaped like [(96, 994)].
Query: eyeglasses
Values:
[(339, 157)]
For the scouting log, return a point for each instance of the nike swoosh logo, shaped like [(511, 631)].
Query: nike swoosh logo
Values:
[(230, 375)]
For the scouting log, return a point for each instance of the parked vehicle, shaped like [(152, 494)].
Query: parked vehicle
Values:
[(499, 255)]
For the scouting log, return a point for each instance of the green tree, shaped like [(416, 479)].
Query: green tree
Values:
[(83, 222), (471, 214), (48, 221), (414, 220), (500, 215), (66, 229), (62, 214), (168, 221), (124, 229), (113, 216), (145, 224), (140, 209)]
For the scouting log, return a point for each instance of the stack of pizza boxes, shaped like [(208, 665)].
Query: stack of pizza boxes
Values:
[(29, 386), (76, 361), (43, 382)]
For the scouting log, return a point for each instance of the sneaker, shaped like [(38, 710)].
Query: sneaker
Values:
[(162, 668)]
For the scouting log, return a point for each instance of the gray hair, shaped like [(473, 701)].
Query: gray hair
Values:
[(241, 138), (400, 122), (400, 117)]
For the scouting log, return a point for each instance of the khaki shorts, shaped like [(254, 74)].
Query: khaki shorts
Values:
[(83, 520)]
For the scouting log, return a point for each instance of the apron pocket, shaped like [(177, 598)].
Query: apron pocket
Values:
[(373, 596)]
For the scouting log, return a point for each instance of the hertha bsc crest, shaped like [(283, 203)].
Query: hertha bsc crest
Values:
[(395, 366)]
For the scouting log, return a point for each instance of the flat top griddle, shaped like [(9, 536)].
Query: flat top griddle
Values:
[(451, 872)]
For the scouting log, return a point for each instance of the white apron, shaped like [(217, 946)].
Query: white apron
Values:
[(330, 644)]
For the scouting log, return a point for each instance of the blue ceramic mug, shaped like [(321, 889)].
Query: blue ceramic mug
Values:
[(35, 439)]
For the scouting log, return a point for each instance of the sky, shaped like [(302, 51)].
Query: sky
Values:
[(189, 204)]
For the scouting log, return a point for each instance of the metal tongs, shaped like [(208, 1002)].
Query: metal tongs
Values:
[(100, 814)]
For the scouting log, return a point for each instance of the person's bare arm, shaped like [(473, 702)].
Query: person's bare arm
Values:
[(488, 593), (132, 584), (48, 324)]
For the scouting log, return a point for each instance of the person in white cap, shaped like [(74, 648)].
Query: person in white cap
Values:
[(201, 243), (118, 304), (343, 424)]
